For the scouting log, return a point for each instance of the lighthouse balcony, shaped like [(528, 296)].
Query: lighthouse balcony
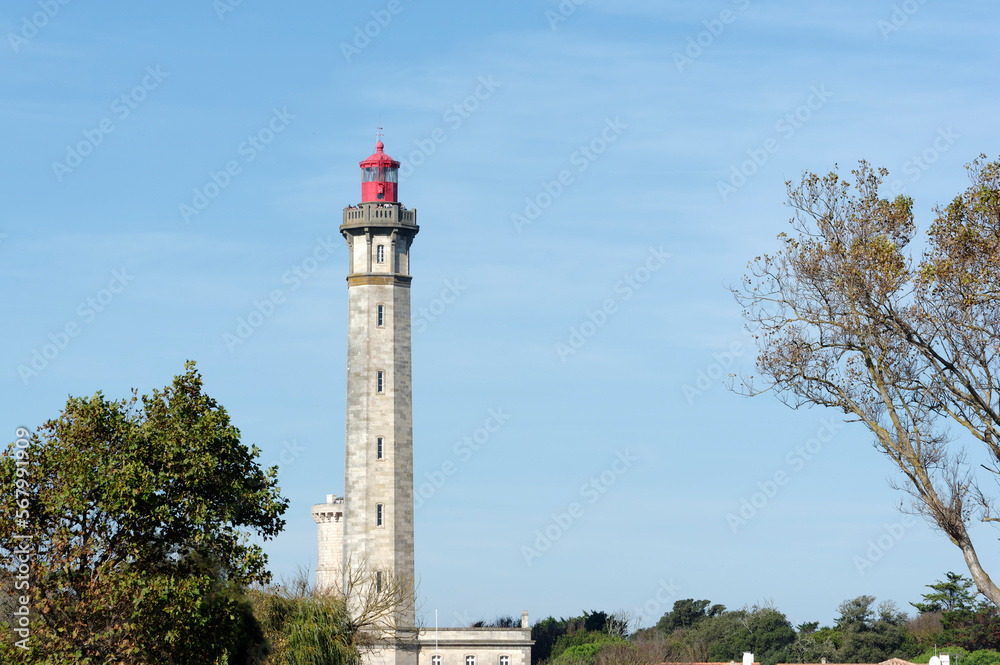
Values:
[(379, 214)]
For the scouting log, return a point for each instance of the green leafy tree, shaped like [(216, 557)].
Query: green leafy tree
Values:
[(696, 632), (807, 628), (950, 594), (688, 612), (138, 514), (973, 629), (810, 649), (586, 628), (873, 635), (954, 617), (847, 317), (704, 641), (545, 633), (828, 634), (762, 630), (812, 644)]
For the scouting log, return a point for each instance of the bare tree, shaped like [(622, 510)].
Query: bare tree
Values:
[(846, 317), (382, 607), (622, 623)]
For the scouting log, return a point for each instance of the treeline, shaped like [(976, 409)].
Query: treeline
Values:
[(948, 620)]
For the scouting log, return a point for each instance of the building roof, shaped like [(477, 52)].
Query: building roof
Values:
[(891, 661), (729, 662)]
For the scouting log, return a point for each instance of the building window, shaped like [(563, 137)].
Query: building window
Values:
[(380, 315), (380, 383), (435, 660), (379, 452), (470, 660), (378, 514), (504, 660), (380, 254), (378, 579)]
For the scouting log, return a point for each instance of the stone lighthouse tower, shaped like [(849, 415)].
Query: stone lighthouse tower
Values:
[(374, 519), (378, 473)]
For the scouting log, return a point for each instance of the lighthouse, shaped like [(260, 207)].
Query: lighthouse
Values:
[(368, 533), (378, 460)]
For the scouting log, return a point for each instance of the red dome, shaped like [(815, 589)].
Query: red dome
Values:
[(379, 158)]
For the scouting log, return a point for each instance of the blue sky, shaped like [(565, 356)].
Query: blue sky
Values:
[(576, 171)]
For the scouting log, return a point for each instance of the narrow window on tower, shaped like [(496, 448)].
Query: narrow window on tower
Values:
[(378, 445), (378, 581), (504, 660), (378, 514), (380, 382), (435, 660), (470, 660), (380, 254), (380, 315)]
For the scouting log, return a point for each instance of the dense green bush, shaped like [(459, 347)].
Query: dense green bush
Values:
[(981, 657), (304, 627), (586, 648)]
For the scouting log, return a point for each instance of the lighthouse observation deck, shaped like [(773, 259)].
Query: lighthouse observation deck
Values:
[(378, 214)]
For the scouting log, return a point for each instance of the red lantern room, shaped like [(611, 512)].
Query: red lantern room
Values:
[(380, 177)]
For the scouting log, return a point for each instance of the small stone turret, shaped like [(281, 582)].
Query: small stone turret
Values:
[(329, 517)]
